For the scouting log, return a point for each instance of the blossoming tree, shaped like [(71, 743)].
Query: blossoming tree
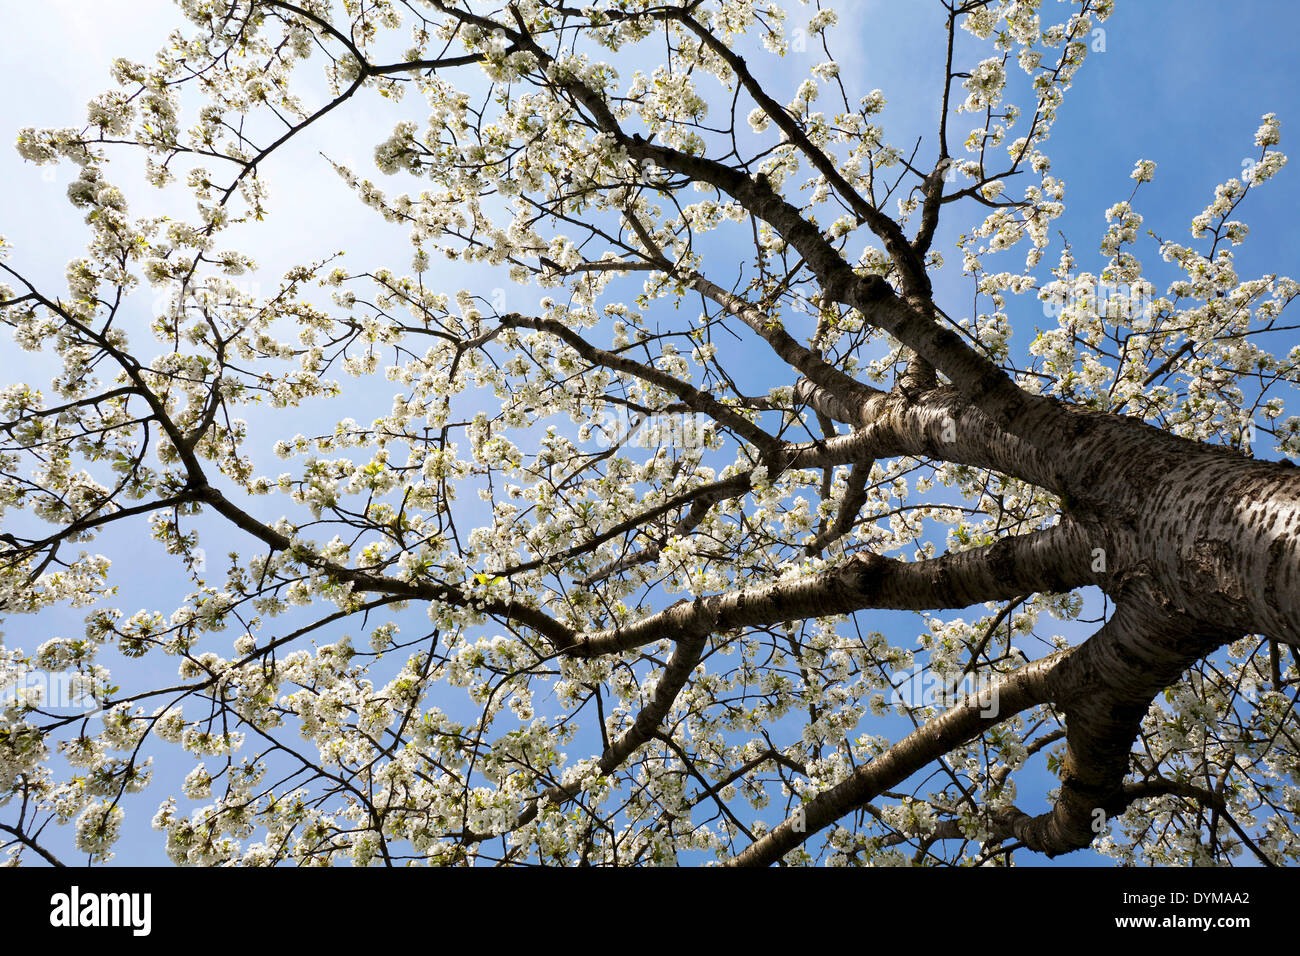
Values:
[(449, 634)]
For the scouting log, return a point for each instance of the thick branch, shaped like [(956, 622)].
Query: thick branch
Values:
[(1025, 688), (1054, 560)]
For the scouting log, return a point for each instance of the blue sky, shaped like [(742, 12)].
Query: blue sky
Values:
[(1180, 82)]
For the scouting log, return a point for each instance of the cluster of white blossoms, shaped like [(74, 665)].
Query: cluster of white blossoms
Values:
[(98, 828), (985, 85), (1144, 171), (1221, 393)]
